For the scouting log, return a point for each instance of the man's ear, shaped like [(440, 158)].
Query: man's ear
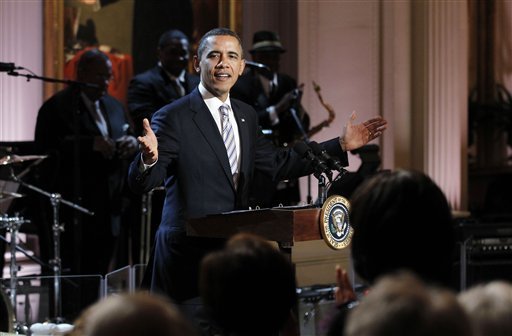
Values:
[(196, 64), (242, 67)]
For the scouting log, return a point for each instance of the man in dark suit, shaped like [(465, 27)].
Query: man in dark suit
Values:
[(147, 93), (88, 138), (188, 143), (273, 95), (166, 82)]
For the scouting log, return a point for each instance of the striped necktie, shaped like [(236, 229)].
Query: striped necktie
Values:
[(229, 139)]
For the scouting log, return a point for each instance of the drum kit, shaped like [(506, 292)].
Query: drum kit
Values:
[(12, 225)]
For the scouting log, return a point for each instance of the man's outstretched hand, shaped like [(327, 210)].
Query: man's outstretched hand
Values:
[(148, 143), (358, 135)]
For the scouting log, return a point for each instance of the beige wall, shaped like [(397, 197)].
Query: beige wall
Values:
[(21, 44)]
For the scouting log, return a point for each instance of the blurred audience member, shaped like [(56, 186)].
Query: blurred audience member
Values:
[(138, 314), (490, 308), (402, 305), (249, 287), (402, 221)]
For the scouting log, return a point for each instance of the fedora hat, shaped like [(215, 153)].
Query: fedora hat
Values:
[(266, 41)]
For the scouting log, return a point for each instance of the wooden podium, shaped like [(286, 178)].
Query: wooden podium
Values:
[(283, 225)]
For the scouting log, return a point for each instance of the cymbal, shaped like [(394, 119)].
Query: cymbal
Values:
[(7, 195), (10, 159)]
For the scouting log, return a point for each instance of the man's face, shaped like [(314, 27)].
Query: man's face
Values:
[(98, 73), (269, 58), (220, 65), (174, 56)]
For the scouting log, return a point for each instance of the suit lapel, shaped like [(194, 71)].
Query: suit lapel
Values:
[(208, 128)]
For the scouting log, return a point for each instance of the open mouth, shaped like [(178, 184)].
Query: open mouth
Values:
[(222, 76)]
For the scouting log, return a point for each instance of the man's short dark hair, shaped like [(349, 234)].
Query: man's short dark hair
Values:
[(168, 36), (217, 32), (89, 57)]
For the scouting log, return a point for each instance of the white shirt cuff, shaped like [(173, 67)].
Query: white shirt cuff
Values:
[(143, 167)]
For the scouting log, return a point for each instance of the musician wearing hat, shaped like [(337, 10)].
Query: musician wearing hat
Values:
[(275, 96)]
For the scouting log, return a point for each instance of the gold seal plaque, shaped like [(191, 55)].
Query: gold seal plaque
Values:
[(335, 223)]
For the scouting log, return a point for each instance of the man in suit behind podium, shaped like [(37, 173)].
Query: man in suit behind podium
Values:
[(187, 144)]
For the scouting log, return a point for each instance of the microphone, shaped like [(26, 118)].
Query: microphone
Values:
[(333, 162), (261, 68), (8, 67), (257, 65), (305, 152)]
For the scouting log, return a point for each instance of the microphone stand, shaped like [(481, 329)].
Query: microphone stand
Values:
[(322, 191), (293, 112), (52, 80), (13, 224)]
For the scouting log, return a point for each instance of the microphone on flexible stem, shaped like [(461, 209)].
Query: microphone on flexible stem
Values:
[(8, 67), (319, 165), (262, 68), (257, 65), (331, 161)]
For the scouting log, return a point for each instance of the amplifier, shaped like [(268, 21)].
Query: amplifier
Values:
[(490, 247), (316, 303), (485, 251)]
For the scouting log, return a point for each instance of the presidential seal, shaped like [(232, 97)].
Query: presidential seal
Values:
[(334, 222)]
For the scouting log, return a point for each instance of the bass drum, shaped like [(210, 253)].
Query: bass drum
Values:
[(6, 313)]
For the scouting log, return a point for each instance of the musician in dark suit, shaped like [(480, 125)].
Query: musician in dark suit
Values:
[(87, 135), (273, 95), (188, 143), (271, 92), (164, 83)]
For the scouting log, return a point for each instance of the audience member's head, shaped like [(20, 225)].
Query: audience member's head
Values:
[(402, 220), (174, 51), (402, 305), (489, 307), (139, 314), (249, 287)]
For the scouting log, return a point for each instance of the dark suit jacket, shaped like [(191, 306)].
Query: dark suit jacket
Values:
[(151, 90), (193, 161), (99, 182)]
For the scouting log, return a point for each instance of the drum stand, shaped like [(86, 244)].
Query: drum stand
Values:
[(13, 225), (57, 228), (146, 225)]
